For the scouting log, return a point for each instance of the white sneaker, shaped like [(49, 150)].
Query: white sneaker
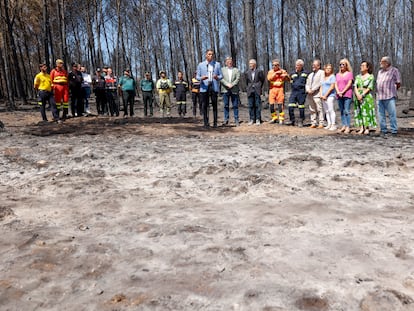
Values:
[(327, 127), (333, 127), (257, 122), (250, 122)]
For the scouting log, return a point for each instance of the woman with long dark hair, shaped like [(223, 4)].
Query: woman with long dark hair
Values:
[(364, 101)]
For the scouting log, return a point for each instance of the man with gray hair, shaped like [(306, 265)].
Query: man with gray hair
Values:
[(388, 82), (298, 96), (230, 90), (313, 85), (254, 80)]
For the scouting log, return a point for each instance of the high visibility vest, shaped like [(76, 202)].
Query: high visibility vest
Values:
[(59, 76), (195, 85), (276, 81)]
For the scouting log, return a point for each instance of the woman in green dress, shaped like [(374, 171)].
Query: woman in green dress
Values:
[(364, 101)]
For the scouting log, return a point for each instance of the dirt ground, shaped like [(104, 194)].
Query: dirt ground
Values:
[(102, 213)]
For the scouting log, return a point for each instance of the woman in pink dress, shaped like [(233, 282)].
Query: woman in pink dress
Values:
[(343, 87)]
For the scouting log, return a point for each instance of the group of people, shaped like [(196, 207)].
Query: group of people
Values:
[(59, 86), (319, 89), (323, 88), (77, 85)]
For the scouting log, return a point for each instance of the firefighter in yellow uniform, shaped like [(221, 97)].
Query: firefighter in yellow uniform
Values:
[(195, 95), (43, 85), (164, 87)]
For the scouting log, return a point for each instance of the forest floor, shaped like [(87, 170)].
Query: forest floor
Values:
[(105, 213)]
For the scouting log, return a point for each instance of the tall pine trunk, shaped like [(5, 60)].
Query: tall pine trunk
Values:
[(16, 68), (411, 82), (233, 51), (250, 31)]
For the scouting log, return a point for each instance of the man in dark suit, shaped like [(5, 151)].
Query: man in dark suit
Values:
[(254, 80)]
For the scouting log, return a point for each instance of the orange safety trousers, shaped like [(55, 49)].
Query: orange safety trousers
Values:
[(61, 94), (276, 95)]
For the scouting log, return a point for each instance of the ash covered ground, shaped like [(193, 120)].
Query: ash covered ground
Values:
[(155, 214)]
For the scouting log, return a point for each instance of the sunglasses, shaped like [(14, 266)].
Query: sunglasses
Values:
[(342, 65), (275, 65)]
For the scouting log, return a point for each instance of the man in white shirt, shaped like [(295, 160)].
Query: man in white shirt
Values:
[(313, 85), (86, 88), (230, 90)]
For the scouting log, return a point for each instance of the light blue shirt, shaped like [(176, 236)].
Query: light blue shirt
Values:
[(326, 84), (209, 69)]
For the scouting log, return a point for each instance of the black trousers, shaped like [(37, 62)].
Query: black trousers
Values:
[(44, 98), (101, 105), (147, 98), (196, 100), (112, 102), (205, 98), (128, 99), (76, 102)]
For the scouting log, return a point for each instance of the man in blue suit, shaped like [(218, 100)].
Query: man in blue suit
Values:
[(209, 74)]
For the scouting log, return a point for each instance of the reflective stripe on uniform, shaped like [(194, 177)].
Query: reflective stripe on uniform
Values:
[(60, 79)]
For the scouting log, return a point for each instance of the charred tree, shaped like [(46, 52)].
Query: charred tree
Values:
[(250, 31), (233, 51), (9, 21)]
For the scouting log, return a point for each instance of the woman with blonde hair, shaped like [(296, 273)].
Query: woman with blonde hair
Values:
[(327, 94), (343, 87)]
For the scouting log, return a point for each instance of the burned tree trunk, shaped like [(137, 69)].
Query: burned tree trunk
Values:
[(9, 21), (250, 31)]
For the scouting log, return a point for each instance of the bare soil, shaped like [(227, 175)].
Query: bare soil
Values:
[(102, 213)]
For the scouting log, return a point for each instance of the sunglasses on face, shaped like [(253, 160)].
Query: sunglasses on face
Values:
[(342, 65)]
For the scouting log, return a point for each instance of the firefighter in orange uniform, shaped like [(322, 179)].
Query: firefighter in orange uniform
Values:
[(60, 86), (277, 77)]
